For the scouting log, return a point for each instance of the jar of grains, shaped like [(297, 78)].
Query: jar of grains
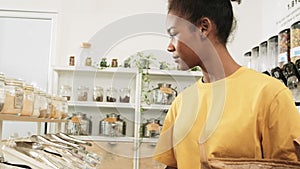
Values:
[(28, 100), (13, 96)]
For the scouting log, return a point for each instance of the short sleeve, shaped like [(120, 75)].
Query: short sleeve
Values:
[(282, 126)]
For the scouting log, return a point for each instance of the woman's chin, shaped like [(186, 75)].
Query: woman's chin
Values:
[(182, 67)]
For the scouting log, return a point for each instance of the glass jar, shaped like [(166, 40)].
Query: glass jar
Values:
[(2, 91), (72, 61), (114, 63), (70, 127), (55, 108), (272, 53), (49, 105), (295, 42), (85, 125), (112, 126), (88, 61), (82, 93), (37, 103), (64, 107), (124, 95), (98, 94), (65, 91), (283, 47), (152, 128), (111, 95), (43, 104), (13, 96), (103, 63), (254, 58), (163, 94), (263, 62)]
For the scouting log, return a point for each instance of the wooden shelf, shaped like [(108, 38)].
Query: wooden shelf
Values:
[(9, 117)]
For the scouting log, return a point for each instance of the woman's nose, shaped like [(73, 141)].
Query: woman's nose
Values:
[(171, 48)]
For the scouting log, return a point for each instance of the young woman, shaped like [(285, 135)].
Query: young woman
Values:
[(233, 111)]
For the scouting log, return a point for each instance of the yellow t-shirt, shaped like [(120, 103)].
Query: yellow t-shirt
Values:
[(246, 115)]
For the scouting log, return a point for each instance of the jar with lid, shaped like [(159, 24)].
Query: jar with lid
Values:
[(152, 128), (13, 96), (43, 104), (85, 125), (74, 124), (2, 91), (112, 125), (72, 61), (103, 63), (114, 63), (82, 93), (55, 108), (98, 94), (263, 62), (70, 127), (64, 107), (254, 58), (272, 53), (124, 95), (49, 105), (65, 91), (163, 93), (295, 41), (283, 47), (37, 103), (28, 100), (111, 95)]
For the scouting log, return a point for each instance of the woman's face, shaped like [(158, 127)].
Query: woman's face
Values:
[(184, 43)]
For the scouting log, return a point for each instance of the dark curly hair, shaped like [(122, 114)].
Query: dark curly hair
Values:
[(219, 11)]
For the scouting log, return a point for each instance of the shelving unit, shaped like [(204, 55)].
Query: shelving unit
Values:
[(138, 146)]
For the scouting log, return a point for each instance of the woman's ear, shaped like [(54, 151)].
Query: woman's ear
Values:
[(204, 24)]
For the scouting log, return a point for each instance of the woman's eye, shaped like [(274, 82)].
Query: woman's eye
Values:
[(173, 35)]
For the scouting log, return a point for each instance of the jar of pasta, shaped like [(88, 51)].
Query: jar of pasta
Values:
[(283, 47), (295, 42), (13, 96), (28, 100)]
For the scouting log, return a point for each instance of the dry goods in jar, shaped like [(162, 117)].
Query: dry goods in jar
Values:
[(283, 47), (13, 96), (28, 101), (295, 42)]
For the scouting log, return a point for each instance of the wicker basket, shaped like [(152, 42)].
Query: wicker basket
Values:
[(220, 163)]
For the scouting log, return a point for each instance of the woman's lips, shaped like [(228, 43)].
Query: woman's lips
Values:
[(176, 59)]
